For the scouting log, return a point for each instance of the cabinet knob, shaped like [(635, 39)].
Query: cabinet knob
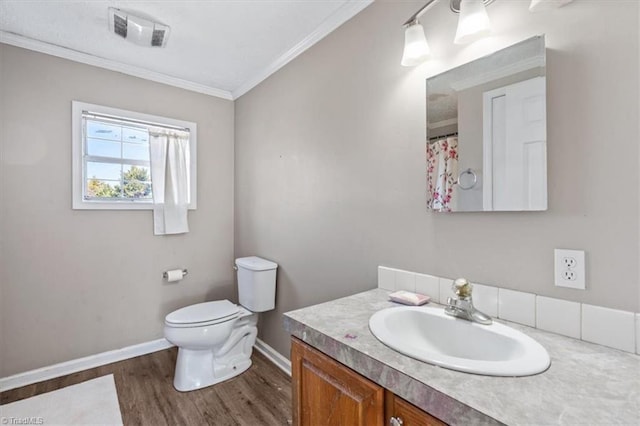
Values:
[(395, 421)]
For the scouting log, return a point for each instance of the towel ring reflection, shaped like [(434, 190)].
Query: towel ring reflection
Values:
[(473, 183)]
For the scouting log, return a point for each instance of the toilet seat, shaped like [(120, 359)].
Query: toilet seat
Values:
[(203, 314)]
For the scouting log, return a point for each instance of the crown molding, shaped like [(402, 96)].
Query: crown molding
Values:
[(85, 58), (339, 17), (347, 11)]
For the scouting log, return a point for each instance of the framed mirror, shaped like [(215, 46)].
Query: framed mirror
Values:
[(487, 134)]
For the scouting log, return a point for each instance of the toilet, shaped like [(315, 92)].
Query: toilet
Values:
[(215, 339)]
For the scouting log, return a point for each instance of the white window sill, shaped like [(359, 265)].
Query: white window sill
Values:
[(117, 205)]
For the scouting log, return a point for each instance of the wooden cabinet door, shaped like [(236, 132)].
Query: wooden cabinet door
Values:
[(327, 393), (407, 414)]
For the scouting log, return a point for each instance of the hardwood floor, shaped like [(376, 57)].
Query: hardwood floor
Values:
[(259, 396)]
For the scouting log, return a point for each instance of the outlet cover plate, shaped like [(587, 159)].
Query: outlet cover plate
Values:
[(569, 268)]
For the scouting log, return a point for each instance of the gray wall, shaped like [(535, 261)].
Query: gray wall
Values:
[(75, 283), (329, 182), (330, 167)]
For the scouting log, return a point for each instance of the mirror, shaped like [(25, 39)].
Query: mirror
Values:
[(486, 133)]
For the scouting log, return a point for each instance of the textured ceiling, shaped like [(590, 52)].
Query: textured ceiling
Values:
[(217, 44)]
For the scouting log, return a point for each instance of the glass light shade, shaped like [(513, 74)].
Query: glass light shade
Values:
[(541, 5), (416, 49), (473, 22)]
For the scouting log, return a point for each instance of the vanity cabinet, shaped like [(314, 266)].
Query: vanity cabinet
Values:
[(399, 412), (326, 392)]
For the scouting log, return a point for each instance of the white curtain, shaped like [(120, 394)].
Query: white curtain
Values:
[(170, 179)]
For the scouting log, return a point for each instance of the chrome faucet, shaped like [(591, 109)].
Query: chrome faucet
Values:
[(461, 306)]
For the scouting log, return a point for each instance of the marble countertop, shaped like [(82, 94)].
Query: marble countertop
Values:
[(586, 383)]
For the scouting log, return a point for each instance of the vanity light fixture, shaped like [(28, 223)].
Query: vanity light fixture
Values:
[(472, 24), (416, 48), (540, 5)]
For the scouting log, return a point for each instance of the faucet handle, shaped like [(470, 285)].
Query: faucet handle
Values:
[(462, 288)]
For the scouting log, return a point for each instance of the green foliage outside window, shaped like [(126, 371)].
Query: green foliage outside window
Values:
[(136, 184)]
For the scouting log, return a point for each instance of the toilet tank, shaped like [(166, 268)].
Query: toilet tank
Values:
[(256, 283)]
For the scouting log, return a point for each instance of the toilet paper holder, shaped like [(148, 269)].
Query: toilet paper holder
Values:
[(166, 273)]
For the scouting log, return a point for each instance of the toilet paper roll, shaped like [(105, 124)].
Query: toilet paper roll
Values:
[(174, 275)]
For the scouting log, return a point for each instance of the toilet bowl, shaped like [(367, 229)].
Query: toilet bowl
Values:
[(215, 339)]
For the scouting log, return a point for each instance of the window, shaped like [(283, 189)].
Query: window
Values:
[(111, 157), (116, 164)]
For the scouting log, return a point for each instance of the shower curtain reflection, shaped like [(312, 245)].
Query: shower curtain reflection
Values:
[(442, 172)]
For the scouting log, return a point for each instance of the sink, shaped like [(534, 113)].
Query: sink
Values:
[(428, 334)]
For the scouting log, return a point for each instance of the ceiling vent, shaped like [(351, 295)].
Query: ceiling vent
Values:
[(141, 30)]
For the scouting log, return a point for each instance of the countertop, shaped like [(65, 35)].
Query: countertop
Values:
[(585, 384)]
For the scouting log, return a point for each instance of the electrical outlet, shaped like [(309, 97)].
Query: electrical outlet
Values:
[(569, 267), (569, 262)]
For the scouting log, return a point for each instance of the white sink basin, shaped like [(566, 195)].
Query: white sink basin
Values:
[(430, 335)]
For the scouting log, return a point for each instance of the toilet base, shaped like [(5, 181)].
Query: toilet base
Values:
[(197, 369), (185, 380)]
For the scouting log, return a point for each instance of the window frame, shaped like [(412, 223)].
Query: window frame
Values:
[(78, 156)]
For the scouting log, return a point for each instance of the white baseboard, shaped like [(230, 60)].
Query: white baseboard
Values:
[(104, 358), (274, 356), (80, 364)]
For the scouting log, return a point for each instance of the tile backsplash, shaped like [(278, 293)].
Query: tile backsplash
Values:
[(638, 333), (608, 327), (445, 290), (558, 316), (516, 306), (485, 298), (428, 284), (595, 324)]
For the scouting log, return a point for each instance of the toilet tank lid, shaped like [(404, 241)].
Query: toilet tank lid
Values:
[(202, 312), (256, 263)]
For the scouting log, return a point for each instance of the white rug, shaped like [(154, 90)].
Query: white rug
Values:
[(94, 402)]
